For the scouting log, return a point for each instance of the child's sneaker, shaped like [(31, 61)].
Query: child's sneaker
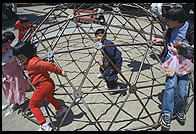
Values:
[(166, 121), (5, 106), (10, 110), (61, 112), (45, 127), (181, 118), (99, 75)]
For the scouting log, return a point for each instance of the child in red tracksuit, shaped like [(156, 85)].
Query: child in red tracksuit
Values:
[(23, 25), (40, 79)]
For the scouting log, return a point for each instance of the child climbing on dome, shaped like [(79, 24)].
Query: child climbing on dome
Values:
[(40, 78)]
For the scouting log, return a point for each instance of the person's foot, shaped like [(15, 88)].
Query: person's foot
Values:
[(10, 110), (5, 106), (45, 127), (61, 112), (181, 118), (126, 129), (114, 92), (166, 121), (99, 75)]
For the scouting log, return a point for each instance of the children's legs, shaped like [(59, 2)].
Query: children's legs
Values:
[(112, 84), (110, 76), (181, 93), (41, 92), (8, 92), (168, 97), (51, 99), (35, 101)]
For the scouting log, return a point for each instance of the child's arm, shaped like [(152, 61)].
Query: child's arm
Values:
[(184, 48), (49, 66), (118, 58)]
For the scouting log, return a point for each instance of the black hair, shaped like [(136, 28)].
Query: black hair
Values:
[(25, 48), (98, 31), (4, 39), (23, 19), (9, 35), (176, 14)]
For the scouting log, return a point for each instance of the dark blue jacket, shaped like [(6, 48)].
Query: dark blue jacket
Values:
[(113, 53)]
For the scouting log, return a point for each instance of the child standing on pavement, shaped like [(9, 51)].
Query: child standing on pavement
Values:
[(40, 79), (13, 83), (106, 69), (176, 92)]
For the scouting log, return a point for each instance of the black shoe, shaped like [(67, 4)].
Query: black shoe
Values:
[(181, 118), (114, 92), (164, 129), (166, 121)]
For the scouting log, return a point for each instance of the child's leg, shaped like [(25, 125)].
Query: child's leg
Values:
[(41, 92), (35, 101), (112, 82), (6, 90), (110, 76), (6, 93), (51, 99)]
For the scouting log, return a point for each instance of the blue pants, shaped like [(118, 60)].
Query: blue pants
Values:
[(175, 93), (110, 76)]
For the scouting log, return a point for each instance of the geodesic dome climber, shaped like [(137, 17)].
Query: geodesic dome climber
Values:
[(65, 36)]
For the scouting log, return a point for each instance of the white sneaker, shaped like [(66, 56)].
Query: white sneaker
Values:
[(61, 112), (10, 110), (5, 106), (99, 75), (45, 127)]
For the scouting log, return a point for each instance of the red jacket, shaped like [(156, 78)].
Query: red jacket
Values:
[(38, 70), (21, 30)]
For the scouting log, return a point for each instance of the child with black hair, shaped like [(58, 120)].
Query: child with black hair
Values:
[(40, 79), (10, 36), (176, 92), (106, 69), (13, 83), (23, 26)]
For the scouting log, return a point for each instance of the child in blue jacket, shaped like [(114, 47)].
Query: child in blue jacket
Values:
[(108, 71)]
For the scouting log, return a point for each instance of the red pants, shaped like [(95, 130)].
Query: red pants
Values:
[(43, 91)]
